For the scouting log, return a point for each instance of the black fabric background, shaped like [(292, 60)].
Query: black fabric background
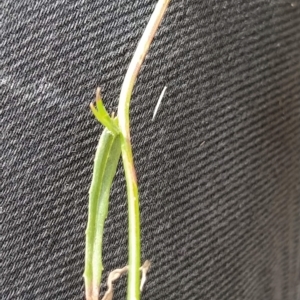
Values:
[(219, 168)]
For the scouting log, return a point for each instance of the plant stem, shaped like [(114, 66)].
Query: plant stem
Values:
[(133, 291)]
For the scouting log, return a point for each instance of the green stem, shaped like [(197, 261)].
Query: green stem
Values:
[(133, 291)]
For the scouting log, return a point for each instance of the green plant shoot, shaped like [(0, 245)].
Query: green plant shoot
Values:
[(114, 141), (105, 166)]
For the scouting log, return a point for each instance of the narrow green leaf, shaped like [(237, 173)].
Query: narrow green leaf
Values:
[(105, 166), (102, 115)]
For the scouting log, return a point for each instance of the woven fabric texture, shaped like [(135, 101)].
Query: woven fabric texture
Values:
[(218, 168)]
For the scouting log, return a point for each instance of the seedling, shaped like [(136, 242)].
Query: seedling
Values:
[(115, 141)]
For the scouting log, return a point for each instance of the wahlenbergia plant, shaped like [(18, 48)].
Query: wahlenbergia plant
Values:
[(115, 141)]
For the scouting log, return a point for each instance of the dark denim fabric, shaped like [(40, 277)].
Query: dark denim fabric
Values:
[(218, 168)]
